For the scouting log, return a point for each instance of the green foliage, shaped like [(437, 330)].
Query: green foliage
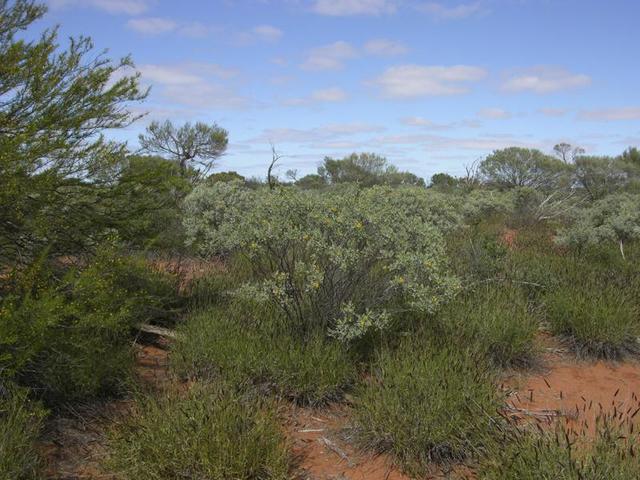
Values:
[(56, 104), (247, 346), (225, 177), (522, 167), (20, 423), (327, 261), (597, 320), (365, 169), (70, 338), (209, 432), (311, 182), (426, 403), (495, 320), (601, 176), (615, 218), (150, 190), (565, 455)]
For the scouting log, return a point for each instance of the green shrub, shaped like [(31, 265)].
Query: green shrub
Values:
[(209, 432), (240, 345), (562, 454), (70, 338), (425, 404), (596, 320), (344, 262), (496, 320), (20, 423)]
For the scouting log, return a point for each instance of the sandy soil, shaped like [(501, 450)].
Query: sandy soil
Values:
[(578, 391)]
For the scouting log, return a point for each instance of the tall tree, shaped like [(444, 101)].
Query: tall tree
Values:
[(55, 105), (522, 167), (191, 146)]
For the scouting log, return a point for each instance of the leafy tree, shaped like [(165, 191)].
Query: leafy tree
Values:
[(601, 176), (312, 181), (631, 155), (191, 146), (443, 181), (365, 169), (55, 105), (225, 177), (522, 167)]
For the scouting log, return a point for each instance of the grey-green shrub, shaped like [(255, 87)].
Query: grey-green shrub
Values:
[(426, 403), (344, 261), (209, 432), (614, 219)]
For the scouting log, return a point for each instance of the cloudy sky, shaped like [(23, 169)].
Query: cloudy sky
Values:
[(432, 85)]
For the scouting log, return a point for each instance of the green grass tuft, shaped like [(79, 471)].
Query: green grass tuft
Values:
[(425, 404), (210, 432)]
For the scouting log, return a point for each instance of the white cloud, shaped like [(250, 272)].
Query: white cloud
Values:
[(327, 133), (152, 25), (334, 94), (268, 32), (194, 85), (354, 7), (384, 47), (543, 79), (444, 12), (611, 114), (326, 95), (552, 112), (329, 57), (494, 113), (411, 81), (128, 7), (427, 124)]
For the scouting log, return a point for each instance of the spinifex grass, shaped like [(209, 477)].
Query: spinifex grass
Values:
[(494, 319), (596, 320), (20, 422), (260, 351), (604, 451), (425, 404), (210, 432)]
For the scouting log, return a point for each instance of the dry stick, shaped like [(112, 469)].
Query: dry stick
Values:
[(335, 449)]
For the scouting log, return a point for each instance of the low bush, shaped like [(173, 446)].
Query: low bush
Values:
[(210, 432), (70, 338), (596, 320), (425, 404), (242, 346), (343, 262), (495, 319), (20, 423)]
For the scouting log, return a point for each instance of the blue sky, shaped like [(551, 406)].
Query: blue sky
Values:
[(432, 85)]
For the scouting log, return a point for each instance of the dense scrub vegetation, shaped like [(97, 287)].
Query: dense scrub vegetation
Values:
[(357, 282)]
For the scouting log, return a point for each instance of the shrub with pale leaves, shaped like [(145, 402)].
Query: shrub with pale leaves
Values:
[(347, 261)]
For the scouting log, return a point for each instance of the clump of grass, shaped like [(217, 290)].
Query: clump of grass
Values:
[(221, 343), (564, 454), (20, 424), (596, 320), (496, 320), (425, 404), (210, 433)]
